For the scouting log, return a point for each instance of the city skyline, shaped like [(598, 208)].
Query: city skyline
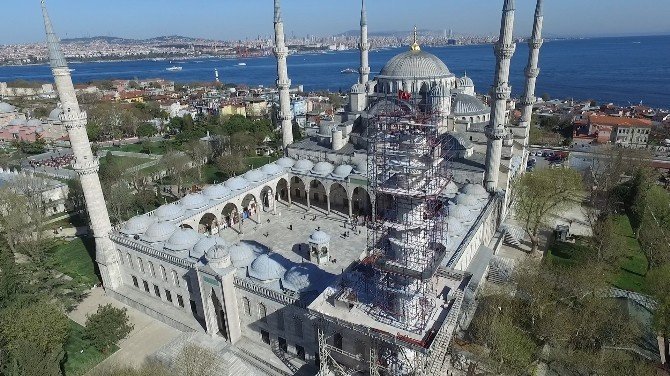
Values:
[(126, 19)]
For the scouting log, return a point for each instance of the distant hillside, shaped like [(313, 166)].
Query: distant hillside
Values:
[(117, 40), (391, 34)]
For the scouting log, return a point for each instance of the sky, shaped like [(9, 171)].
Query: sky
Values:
[(240, 19)]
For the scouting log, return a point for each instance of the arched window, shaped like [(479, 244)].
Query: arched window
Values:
[(130, 260), (337, 340), (297, 326), (121, 258), (151, 269), (163, 275), (175, 277), (263, 312), (246, 306), (140, 264)]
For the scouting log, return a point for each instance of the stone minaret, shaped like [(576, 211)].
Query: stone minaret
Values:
[(283, 82), (364, 46), (86, 165), (495, 132), (532, 71)]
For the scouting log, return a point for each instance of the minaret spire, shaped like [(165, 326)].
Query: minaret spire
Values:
[(364, 46), (495, 132), (86, 165), (415, 46), (532, 72), (283, 81)]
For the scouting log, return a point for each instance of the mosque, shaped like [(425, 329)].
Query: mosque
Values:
[(358, 253)]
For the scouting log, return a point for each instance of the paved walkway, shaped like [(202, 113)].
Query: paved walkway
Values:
[(147, 336)]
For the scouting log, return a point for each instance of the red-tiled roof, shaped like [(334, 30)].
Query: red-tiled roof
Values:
[(614, 121)]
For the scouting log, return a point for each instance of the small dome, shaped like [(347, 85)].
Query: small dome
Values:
[(182, 240), (254, 176), (450, 189), (301, 278), (6, 108), (194, 202), (159, 232), (460, 212), (303, 165), (169, 212), (137, 225), (465, 199), (286, 162), (455, 227), (218, 257), (361, 168), (241, 255), (216, 192), (322, 168), (34, 123), (266, 268), (342, 171), (465, 81), (205, 244), (271, 169), (54, 115), (415, 64), (475, 190), (237, 184), (319, 237), (17, 122), (465, 105)]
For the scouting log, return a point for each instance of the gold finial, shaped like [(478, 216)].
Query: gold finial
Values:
[(415, 45)]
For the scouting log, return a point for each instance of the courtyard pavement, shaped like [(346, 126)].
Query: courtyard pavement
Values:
[(293, 243)]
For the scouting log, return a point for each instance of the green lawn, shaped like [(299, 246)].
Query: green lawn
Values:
[(127, 162), (81, 357), (157, 147), (77, 260), (628, 274)]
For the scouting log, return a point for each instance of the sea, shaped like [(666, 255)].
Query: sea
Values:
[(626, 70)]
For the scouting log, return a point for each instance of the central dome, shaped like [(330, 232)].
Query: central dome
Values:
[(415, 64)]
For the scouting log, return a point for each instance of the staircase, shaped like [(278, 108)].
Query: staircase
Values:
[(501, 270), (440, 346), (512, 235), (282, 356)]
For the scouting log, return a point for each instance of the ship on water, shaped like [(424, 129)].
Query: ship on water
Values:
[(349, 71), (174, 69)]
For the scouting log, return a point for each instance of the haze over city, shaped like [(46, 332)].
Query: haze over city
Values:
[(236, 19)]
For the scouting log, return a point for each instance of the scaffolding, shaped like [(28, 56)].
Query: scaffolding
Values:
[(407, 173)]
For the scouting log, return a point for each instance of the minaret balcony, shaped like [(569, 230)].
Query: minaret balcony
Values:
[(496, 133), (532, 72), (74, 119), (503, 92), (87, 167), (528, 100), (284, 84), (281, 52), (505, 50), (535, 44)]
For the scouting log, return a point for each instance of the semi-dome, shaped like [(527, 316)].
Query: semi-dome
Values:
[(6, 108), (159, 232), (465, 105), (451, 189), (415, 64), (169, 212), (475, 190), (218, 257), (303, 165), (286, 162), (319, 237), (55, 114), (322, 168), (459, 212), (137, 225), (455, 227), (194, 201), (34, 123), (271, 169), (205, 244), (216, 192), (342, 171), (241, 255), (237, 184), (301, 278), (254, 176), (182, 239), (361, 168), (266, 268)]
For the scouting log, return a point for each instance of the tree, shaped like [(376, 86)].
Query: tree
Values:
[(9, 278), (120, 202), (146, 130), (34, 333), (657, 282), (541, 194), (231, 165), (199, 152), (177, 165), (107, 326)]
